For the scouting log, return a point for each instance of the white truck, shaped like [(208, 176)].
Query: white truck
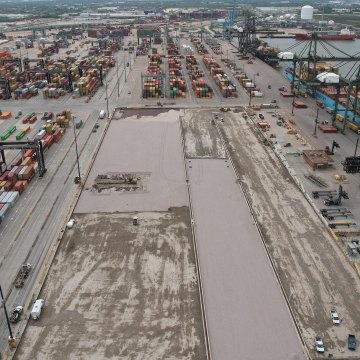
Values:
[(37, 308)]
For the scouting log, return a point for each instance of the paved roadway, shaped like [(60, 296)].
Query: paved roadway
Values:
[(252, 321), (37, 218)]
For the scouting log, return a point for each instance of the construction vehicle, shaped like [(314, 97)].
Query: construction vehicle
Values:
[(15, 314), (334, 145), (22, 275), (335, 201)]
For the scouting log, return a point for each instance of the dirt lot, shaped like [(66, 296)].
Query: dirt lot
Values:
[(312, 269), (121, 292), (201, 140)]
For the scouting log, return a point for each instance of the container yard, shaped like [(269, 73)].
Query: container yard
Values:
[(17, 174), (24, 78)]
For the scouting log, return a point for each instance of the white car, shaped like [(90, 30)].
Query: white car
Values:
[(70, 224), (319, 344), (334, 317)]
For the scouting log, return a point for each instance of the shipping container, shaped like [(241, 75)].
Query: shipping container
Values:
[(4, 210)]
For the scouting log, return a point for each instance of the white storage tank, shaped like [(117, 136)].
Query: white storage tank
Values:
[(286, 55), (307, 12), (328, 78)]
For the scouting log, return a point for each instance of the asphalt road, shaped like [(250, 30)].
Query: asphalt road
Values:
[(241, 308)]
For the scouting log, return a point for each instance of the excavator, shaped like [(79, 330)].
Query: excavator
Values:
[(336, 200)]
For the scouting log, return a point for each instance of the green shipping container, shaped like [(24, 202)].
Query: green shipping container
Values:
[(20, 135), (4, 135), (11, 129)]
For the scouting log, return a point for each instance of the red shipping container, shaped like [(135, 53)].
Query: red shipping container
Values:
[(32, 119), (50, 141), (4, 176), (12, 174), (19, 186), (9, 185), (29, 153)]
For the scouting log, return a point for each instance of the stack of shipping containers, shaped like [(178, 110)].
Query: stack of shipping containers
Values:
[(226, 86), (152, 85), (199, 85)]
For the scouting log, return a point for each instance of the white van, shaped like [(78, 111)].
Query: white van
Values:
[(102, 114), (36, 310)]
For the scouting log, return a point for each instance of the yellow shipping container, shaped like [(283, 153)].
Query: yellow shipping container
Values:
[(68, 114), (48, 128), (26, 162)]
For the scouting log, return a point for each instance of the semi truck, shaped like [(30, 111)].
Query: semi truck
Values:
[(22, 275)]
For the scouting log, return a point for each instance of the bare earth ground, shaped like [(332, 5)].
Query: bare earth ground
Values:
[(139, 141), (116, 291), (312, 269), (201, 140)]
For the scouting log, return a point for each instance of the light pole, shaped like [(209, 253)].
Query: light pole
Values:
[(11, 338), (107, 99), (250, 96), (77, 178), (356, 146), (124, 65), (117, 77), (316, 121)]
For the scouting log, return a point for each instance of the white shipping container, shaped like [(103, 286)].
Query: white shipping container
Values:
[(22, 171), (40, 134), (13, 197), (3, 195), (4, 211), (257, 94), (6, 197)]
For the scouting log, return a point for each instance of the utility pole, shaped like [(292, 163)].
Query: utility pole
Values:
[(78, 178), (12, 341), (107, 99), (124, 65), (117, 77), (356, 146), (316, 121)]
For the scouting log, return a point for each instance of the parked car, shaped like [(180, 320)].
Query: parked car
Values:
[(319, 344), (261, 116), (351, 342), (334, 317)]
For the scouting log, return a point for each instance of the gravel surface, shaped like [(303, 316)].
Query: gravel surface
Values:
[(312, 269), (116, 291)]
